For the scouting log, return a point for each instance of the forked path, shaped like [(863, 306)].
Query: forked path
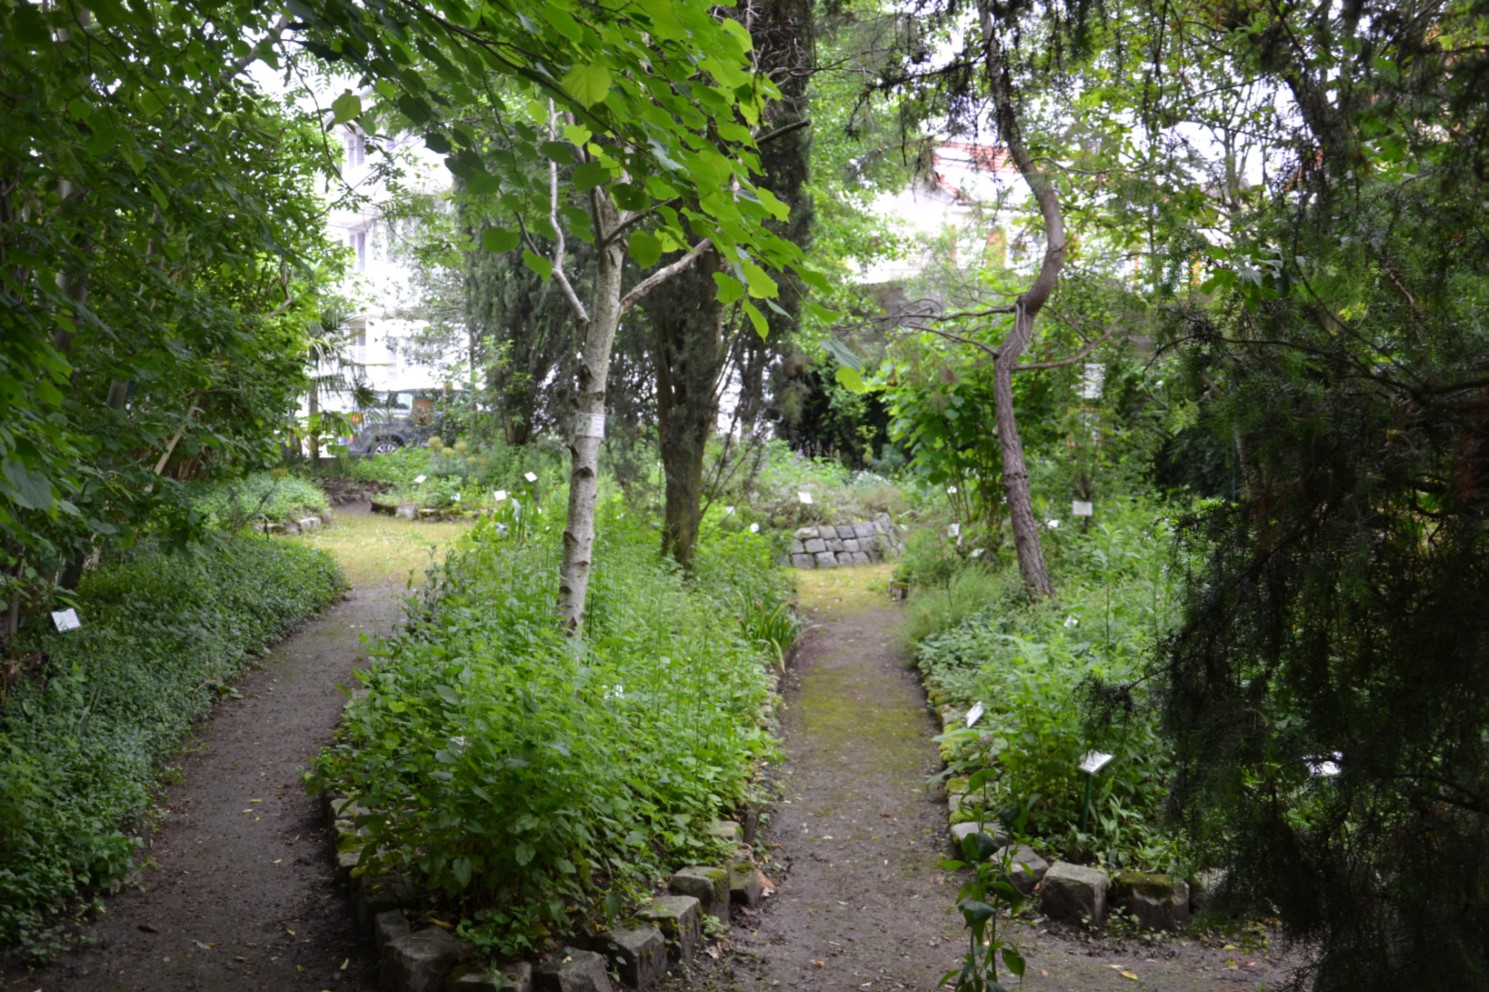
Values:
[(237, 894), (856, 837)]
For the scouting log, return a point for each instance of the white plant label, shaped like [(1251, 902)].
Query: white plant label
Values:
[(974, 714), (1081, 508), (728, 511), (500, 495), (805, 497), (66, 619), (455, 498), (951, 490), (531, 477), (419, 480), (589, 425), (953, 530), (754, 528), (1094, 761)]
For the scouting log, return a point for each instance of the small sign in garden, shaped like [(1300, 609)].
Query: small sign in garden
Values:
[(974, 714), (1081, 508), (67, 619)]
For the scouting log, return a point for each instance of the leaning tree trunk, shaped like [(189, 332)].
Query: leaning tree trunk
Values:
[(1015, 473), (589, 430)]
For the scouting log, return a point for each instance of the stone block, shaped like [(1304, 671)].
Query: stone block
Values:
[(709, 885), (509, 976), (827, 560), (1205, 889), (309, 523), (746, 884), (805, 533), (407, 511), (574, 970), (815, 546), (1157, 902), (388, 926), (959, 831), (680, 921), (835, 546), (860, 558), (419, 961), (803, 561), (1074, 894), (380, 893), (850, 545), (638, 954), (726, 830), (863, 531), (1026, 867)]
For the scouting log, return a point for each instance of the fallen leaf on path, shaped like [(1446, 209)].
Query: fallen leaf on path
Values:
[(1128, 974), (346, 964), (818, 964), (147, 928)]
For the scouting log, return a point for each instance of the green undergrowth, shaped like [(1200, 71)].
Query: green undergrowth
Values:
[(273, 496), (539, 785), (84, 731), (1057, 680)]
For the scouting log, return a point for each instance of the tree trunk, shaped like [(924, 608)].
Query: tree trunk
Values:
[(1015, 473), (589, 429), (689, 349)]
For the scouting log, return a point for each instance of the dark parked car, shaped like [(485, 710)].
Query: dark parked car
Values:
[(400, 417)]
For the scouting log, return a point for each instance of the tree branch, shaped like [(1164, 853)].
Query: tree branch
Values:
[(660, 276), (1061, 363)]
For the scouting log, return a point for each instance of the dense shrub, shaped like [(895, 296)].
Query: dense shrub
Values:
[(534, 781), (274, 496), (81, 740), (1058, 680)]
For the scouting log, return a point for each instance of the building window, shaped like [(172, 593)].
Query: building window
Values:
[(358, 242), (356, 149)]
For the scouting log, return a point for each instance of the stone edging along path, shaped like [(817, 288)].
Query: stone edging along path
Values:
[(833, 546)]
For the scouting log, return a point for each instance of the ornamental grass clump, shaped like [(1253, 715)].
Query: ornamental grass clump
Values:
[(536, 783)]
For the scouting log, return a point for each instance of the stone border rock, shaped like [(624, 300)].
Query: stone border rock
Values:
[(667, 931), (1066, 892), (302, 525), (833, 546)]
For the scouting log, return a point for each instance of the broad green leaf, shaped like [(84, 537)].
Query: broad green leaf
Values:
[(558, 151), (731, 290), (578, 134), (762, 327), (761, 285), (542, 266), (589, 84), (29, 489), (499, 239), (589, 175), (644, 248), (850, 379), (739, 31), (346, 107)]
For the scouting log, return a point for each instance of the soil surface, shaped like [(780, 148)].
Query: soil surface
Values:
[(856, 838), (236, 892)]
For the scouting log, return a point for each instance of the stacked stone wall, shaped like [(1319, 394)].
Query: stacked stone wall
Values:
[(831, 546)]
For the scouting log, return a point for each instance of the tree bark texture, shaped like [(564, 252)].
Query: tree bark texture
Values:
[(1015, 472), (594, 367), (690, 348)]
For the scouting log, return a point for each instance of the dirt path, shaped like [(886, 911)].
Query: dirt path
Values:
[(240, 896), (856, 836), (856, 839)]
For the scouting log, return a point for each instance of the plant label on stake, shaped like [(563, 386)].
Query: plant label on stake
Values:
[(805, 497), (1081, 508), (65, 620), (1094, 761), (419, 480), (974, 714), (531, 477), (499, 495)]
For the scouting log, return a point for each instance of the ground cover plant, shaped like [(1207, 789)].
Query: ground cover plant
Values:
[(535, 782), (88, 715), (274, 496), (1057, 679)]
